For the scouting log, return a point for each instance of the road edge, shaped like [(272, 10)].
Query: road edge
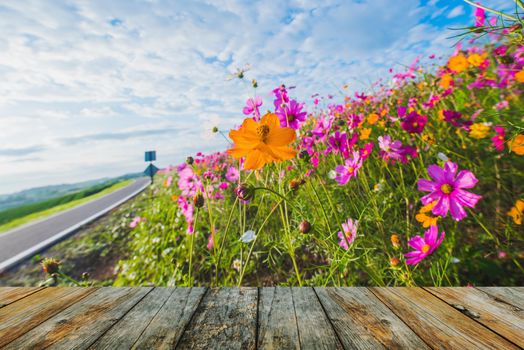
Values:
[(6, 264)]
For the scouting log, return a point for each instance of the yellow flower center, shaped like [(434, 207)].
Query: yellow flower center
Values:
[(446, 188), (425, 248), (263, 132), (351, 169), (415, 124)]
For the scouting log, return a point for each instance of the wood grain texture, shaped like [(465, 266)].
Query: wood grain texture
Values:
[(80, 325), (314, 328), (128, 329), (277, 324), (510, 295), (506, 320), (364, 322), (9, 295), (166, 328), (437, 323), (225, 319), (18, 318)]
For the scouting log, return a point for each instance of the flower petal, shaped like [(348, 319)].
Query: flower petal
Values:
[(442, 206), (436, 173), (466, 198), (426, 185), (465, 179), (281, 136), (271, 120), (457, 211)]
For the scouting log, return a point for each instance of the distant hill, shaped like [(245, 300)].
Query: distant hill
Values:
[(39, 194)]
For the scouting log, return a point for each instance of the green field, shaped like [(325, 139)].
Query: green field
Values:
[(14, 217)]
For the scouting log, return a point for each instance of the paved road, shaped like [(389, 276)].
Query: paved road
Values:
[(25, 241)]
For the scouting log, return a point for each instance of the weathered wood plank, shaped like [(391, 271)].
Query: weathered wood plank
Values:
[(314, 329), (436, 322), (9, 295), (128, 329), (18, 318), (511, 295), (226, 319), (277, 324), (364, 322), (80, 325), (166, 328), (505, 320)]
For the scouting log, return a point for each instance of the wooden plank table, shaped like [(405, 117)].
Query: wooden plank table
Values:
[(264, 318)]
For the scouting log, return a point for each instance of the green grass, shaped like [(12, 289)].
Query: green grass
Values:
[(22, 215)]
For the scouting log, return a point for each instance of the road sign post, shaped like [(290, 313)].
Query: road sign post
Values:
[(151, 170)]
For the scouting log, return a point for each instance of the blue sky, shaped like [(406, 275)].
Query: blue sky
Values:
[(87, 86)]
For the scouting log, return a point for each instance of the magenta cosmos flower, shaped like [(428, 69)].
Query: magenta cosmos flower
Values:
[(498, 139), (447, 188), (348, 233), (349, 169), (291, 115), (423, 246), (414, 123), (252, 107)]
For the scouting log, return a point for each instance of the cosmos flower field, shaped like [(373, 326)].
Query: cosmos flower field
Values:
[(417, 182)]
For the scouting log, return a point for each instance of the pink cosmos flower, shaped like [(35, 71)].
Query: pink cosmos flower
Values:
[(291, 115), (210, 242), (447, 188), (348, 233), (349, 169), (252, 107), (389, 149), (187, 210), (134, 223), (189, 182), (414, 123), (232, 174), (423, 246), (322, 127), (498, 139)]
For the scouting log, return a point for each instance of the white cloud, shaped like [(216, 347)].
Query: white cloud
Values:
[(456, 11), (74, 70)]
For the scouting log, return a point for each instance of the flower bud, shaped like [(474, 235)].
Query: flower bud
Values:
[(50, 265), (198, 200), (304, 155), (515, 27), (190, 160), (214, 130), (85, 276), (244, 192), (304, 226), (394, 261), (254, 83)]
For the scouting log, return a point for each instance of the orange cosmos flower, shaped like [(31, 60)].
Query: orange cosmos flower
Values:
[(517, 145), (446, 80), (458, 63), (373, 118), (519, 76), (262, 142), (516, 212), (364, 133)]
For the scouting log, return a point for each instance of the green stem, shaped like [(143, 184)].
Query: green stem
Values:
[(254, 241)]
